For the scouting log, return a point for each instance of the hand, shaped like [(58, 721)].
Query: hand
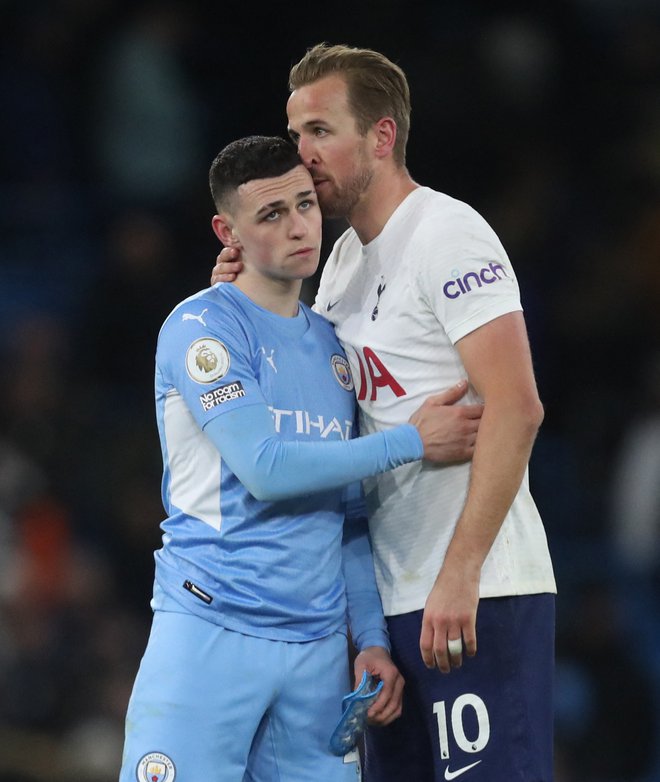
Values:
[(448, 431), (377, 661), (227, 266), (450, 613)]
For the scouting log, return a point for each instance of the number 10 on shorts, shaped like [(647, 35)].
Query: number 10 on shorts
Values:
[(467, 744)]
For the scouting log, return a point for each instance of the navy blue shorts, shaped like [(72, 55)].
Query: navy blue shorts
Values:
[(490, 720)]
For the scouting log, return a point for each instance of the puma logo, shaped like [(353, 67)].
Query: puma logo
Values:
[(270, 359), (200, 317)]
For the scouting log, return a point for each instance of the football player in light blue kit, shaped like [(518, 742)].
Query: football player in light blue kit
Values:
[(259, 573)]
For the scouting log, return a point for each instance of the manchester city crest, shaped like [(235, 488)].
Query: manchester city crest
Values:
[(155, 767), (342, 371)]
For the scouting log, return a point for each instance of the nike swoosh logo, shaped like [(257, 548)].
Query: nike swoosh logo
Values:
[(453, 774), (330, 306)]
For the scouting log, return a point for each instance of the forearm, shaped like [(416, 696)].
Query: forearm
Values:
[(273, 469), (498, 364), (503, 447), (365, 611)]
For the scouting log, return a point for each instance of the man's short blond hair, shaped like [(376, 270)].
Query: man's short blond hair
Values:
[(377, 87)]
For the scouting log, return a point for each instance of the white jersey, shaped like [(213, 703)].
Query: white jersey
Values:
[(435, 273)]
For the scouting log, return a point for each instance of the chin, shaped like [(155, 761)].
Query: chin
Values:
[(332, 208), (307, 268)]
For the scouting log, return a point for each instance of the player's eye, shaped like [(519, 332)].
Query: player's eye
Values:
[(307, 204), (271, 217)]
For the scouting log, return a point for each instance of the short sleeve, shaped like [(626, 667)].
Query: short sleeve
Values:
[(207, 360), (464, 274)]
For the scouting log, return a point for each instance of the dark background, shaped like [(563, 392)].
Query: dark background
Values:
[(545, 117)]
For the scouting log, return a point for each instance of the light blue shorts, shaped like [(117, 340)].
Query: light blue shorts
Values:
[(212, 705)]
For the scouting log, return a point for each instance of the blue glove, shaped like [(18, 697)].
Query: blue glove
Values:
[(353, 720)]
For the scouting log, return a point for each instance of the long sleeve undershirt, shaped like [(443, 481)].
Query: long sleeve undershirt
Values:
[(274, 469), (368, 627)]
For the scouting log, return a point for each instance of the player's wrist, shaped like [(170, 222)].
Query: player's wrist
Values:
[(373, 639), (405, 443)]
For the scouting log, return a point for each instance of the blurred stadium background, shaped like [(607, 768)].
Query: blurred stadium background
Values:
[(545, 117)]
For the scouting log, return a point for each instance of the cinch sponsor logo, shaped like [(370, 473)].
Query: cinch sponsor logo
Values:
[(459, 285), (221, 395)]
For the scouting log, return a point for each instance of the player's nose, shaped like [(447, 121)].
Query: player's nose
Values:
[(298, 225), (307, 151)]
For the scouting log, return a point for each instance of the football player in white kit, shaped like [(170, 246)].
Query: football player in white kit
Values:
[(422, 294)]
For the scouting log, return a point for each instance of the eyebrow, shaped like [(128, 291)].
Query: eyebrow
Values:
[(281, 202)]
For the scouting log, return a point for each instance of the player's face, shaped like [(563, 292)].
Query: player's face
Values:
[(323, 127), (277, 223)]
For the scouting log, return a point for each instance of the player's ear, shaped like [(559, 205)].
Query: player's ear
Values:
[(223, 229), (385, 133)]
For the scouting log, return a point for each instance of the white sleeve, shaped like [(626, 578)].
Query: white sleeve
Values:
[(464, 273)]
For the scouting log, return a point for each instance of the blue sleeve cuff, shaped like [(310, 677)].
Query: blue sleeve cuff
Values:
[(373, 637), (404, 444)]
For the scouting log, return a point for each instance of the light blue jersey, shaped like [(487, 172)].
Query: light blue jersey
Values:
[(255, 414), (271, 569)]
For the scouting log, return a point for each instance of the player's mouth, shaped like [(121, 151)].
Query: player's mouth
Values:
[(304, 252)]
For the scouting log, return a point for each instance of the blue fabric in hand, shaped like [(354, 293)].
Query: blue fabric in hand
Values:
[(353, 720)]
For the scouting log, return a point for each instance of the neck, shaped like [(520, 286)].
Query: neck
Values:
[(387, 190), (278, 296)]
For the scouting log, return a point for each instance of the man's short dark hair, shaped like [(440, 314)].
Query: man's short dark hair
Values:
[(252, 157)]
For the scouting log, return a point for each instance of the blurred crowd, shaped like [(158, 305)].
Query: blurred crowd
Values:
[(544, 117)]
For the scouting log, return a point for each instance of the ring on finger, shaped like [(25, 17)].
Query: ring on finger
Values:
[(455, 646)]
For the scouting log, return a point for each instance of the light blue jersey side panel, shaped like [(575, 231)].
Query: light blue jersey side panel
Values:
[(270, 569)]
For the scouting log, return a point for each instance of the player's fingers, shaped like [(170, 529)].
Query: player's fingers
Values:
[(387, 707), (451, 395), (455, 647), (472, 411), (470, 640), (426, 645), (441, 654), (471, 424), (394, 707), (397, 699), (388, 679), (379, 707), (227, 254), (227, 266), (225, 271)]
